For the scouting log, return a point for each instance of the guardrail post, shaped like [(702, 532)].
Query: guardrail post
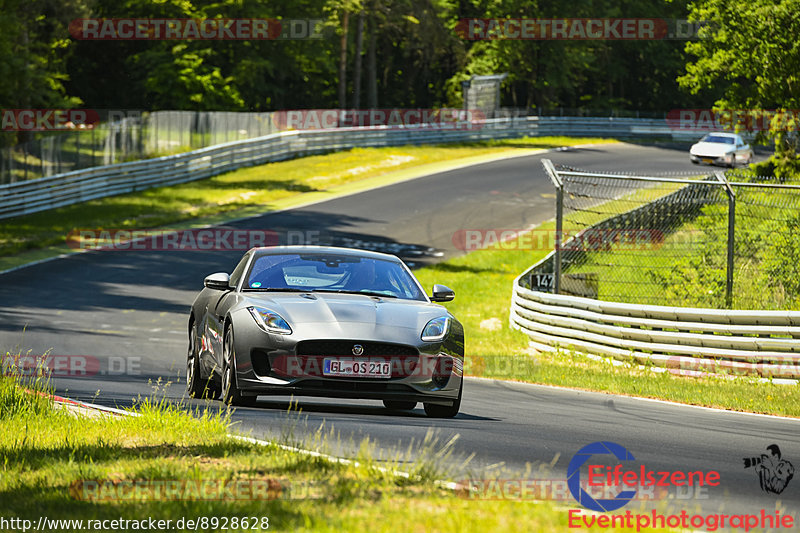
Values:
[(554, 177), (731, 237)]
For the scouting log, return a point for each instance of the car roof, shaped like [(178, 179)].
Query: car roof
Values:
[(723, 134), (308, 249)]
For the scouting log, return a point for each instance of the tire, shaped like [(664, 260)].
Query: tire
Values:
[(445, 411), (196, 386), (231, 395), (399, 405)]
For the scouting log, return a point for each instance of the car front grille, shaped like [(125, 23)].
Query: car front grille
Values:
[(345, 348)]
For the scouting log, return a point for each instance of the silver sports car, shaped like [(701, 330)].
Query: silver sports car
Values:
[(324, 321)]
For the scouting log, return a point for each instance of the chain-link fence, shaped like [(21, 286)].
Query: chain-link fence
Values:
[(122, 136), (721, 240), (54, 153), (127, 136)]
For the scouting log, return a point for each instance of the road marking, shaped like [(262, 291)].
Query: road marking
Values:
[(667, 402)]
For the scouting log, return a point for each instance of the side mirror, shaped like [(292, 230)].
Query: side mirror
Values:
[(219, 281), (442, 293)]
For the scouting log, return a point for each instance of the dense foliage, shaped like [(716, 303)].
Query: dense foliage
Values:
[(407, 53), (751, 52), (397, 53)]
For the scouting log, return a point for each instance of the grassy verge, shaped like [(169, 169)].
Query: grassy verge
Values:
[(248, 191), (483, 280), (60, 466)]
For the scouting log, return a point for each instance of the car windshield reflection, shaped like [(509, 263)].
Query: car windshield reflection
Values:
[(717, 139), (333, 273)]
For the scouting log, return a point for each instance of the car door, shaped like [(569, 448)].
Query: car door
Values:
[(217, 306), (742, 150), (214, 331)]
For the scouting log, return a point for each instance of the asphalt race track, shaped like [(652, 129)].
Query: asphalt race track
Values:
[(127, 311)]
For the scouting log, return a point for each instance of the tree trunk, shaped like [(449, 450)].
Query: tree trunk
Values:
[(343, 63), (357, 68), (372, 71), (372, 76)]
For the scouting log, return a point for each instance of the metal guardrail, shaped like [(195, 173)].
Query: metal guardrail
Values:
[(60, 190), (688, 341)]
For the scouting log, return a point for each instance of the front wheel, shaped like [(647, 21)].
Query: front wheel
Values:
[(196, 387), (445, 411), (231, 395)]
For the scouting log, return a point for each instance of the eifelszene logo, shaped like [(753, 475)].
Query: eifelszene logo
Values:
[(774, 473), (615, 477), (574, 476)]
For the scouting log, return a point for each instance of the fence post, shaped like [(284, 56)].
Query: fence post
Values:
[(731, 237), (94, 146), (553, 174)]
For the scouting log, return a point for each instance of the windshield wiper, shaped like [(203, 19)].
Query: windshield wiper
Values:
[(365, 293), (275, 289)]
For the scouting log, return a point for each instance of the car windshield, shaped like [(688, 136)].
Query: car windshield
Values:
[(722, 139), (325, 272)]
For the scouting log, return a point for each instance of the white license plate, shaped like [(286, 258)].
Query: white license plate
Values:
[(357, 368)]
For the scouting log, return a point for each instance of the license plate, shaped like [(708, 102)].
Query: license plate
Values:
[(707, 160), (357, 368)]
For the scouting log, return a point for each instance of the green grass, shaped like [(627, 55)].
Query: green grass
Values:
[(61, 466), (688, 269), (483, 280), (243, 192)]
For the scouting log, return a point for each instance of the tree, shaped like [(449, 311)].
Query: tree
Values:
[(157, 74), (34, 47), (751, 51), (589, 74)]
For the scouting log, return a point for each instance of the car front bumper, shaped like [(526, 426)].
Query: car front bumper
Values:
[(269, 364), (711, 160)]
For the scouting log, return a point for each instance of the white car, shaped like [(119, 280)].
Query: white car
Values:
[(721, 149)]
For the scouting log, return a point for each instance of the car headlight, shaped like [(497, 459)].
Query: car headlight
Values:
[(270, 321), (436, 329)]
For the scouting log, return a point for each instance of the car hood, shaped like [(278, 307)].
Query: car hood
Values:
[(349, 315), (711, 149)]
